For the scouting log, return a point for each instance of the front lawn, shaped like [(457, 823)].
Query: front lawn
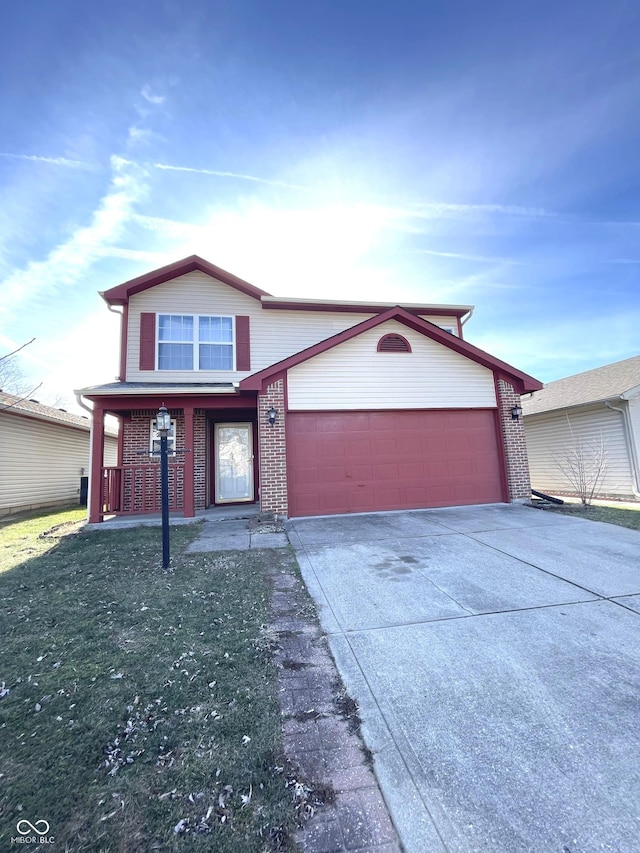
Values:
[(610, 515), (138, 707)]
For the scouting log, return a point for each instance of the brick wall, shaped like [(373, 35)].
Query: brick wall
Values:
[(514, 443), (200, 458), (272, 447), (141, 472)]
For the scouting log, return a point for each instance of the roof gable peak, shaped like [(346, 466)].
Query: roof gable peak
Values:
[(120, 294), (522, 382)]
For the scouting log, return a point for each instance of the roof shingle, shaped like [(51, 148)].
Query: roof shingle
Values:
[(12, 404), (601, 383)]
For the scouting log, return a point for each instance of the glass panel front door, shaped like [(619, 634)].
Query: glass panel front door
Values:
[(234, 462)]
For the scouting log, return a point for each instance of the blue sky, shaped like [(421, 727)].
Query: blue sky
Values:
[(481, 154)]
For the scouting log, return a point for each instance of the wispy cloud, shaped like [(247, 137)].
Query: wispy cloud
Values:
[(420, 210), (222, 174), (141, 135), (463, 257), (154, 258), (54, 161), (68, 262), (149, 96), (171, 227), (439, 210)]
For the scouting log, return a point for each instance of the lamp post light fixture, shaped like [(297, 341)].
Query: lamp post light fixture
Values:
[(516, 412), (163, 424), (272, 415)]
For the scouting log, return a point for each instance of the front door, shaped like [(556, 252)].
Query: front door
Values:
[(233, 463)]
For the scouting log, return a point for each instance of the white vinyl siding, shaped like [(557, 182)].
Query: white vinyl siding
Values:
[(275, 334), (41, 462), (548, 433), (634, 422), (354, 375)]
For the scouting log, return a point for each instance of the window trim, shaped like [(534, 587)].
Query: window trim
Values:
[(195, 343)]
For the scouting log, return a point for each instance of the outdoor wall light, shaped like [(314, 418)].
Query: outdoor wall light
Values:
[(163, 420), (516, 411), (272, 414)]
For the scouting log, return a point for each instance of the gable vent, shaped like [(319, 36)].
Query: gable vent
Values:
[(393, 343)]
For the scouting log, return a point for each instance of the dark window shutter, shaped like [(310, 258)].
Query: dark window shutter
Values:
[(393, 343), (147, 341), (243, 346)]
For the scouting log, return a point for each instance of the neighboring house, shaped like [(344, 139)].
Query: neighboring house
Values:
[(43, 454), (309, 407), (598, 405)]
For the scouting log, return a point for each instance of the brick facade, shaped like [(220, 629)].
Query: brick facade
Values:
[(273, 455), (200, 459), (141, 472), (515, 449)]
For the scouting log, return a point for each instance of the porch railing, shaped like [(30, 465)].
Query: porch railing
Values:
[(111, 489), (133, 489)]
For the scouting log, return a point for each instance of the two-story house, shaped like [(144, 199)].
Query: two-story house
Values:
[(309, 407)]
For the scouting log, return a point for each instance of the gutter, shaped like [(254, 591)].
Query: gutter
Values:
[(230, 388), (628, 439)]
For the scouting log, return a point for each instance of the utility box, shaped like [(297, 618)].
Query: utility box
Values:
[(84, 490)]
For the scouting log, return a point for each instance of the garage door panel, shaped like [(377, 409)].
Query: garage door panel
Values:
[(331, 447), (341, 462), (360, 473), (307, 448), (409, 471), (306, 476), (385, 446), (358, 422), (410, 445), (359, 446)]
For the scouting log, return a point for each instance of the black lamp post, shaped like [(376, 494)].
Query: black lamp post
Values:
[(163, 423)]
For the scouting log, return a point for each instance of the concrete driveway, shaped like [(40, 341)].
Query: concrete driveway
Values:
[(495, 655)]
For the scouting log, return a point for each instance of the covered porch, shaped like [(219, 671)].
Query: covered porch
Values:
[(213, 451)]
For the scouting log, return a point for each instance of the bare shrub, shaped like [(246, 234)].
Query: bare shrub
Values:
[(583, 461)]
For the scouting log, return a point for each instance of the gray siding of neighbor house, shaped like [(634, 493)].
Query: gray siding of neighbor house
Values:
[(40, 463), (549, 433)]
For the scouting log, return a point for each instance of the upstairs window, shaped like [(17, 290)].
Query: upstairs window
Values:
[(195, 342)]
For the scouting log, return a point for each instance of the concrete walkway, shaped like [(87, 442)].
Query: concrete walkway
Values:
[(495, 655), (239, 535)]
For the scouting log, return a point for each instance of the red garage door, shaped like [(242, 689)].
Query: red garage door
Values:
[(342, 462)]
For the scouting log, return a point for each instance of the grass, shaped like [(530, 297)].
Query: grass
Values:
[(139, 709), (35, 533), (610, 515)]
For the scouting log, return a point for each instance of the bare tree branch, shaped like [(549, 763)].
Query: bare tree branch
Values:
[(10, 354), (583, 461), (21, 399), (12, 377)]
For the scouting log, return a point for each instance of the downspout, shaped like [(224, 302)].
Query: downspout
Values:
[(628, 432), (467, 318)]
